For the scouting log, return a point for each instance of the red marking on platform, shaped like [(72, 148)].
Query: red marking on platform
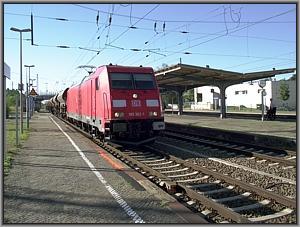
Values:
[(111, 161)]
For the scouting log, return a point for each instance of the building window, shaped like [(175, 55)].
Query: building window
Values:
[(241, 92), (199, 97)]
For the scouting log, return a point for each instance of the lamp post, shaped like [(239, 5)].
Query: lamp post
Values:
[(21, 83), (262, 84), (37, 83), (28, 106)]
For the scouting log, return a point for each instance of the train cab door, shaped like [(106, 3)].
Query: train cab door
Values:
[(94, 88), (105, 105)]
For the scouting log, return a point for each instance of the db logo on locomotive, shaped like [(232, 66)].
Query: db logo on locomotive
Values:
[(135, 103)]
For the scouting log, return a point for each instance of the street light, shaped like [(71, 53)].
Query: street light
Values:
[(28, 113), (21, 83), (262, 84)]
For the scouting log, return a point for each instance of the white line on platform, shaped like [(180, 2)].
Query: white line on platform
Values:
[(129, 211)]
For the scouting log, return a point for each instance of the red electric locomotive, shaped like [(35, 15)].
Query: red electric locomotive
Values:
[(117, 103)]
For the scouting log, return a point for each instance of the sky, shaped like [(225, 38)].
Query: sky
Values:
[(235, 37)]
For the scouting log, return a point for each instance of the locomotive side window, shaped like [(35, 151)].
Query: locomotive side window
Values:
[(121, 81), (97, 83), (144, 81)]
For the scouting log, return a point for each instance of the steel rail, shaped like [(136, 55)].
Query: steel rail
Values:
[(232, 149), (170, 185), (172, 127), (246, 186)]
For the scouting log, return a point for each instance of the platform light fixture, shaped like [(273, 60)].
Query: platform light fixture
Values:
[(28, 104), (21, 83)]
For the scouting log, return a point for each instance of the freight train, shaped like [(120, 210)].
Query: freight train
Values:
[(116, 103)]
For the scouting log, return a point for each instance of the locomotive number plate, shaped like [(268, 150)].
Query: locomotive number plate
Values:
[(136, 114), (135, 103)]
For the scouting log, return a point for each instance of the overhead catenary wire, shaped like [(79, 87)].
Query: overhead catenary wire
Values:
[(238, 29), (125, 31), (158, 52), (255, 61), (235, 30), (120, 35), (260, 58), (218, 35), (166, 30), (174, 21), (249, 25), (273, 65), (87, 48), (166, 33), (224, 12)]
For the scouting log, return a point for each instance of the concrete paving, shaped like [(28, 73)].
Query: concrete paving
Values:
[(55, 180), (274, 128), (273, 134)]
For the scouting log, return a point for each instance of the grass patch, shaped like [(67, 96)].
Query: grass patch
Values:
[(11, 148), (163, 203)]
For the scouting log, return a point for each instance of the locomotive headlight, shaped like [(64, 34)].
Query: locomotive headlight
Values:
[(153, 114), (119, 114), (134, 96)]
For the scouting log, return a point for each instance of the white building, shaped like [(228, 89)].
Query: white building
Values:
[(246, 94)]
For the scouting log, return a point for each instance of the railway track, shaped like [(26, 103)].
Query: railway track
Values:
[(271, 176), (279, 117), (218, 197), (209, 191), (284, 157)]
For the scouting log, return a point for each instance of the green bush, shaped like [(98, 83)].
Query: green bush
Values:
[(232, 108), (187, 105)]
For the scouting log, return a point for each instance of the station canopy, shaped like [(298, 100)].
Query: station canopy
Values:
[(185, 77)]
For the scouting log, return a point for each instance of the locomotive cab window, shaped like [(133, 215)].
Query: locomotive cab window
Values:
[(144, 81), (121, 81)]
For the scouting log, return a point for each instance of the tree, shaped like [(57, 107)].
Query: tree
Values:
[(11, 97), (188, 96), (284, 91), (10, 100), (168, 96), (163, 65)]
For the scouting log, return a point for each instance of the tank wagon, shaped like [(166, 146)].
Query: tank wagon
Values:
[(61, 102), (51, 105), (116, 103)]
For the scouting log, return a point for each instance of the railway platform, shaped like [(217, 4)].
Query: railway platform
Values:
[(277, 134), (60, 176)]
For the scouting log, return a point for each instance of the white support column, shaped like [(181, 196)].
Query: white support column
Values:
[(180, 102), (195, 95), (222, 88)]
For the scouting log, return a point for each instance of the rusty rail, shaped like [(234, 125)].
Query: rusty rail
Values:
[(173, 187), (235, 150), (262, 192)]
